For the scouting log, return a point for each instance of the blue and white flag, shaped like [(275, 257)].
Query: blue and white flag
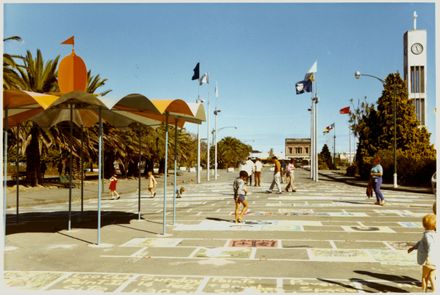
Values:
[(306, 85), (313, 68), (204, 79)]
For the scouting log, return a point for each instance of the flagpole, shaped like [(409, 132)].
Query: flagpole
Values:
[(349, 145), (315, 125), (207, 142), (312, 134), (198, 140), (334, 145), (311, 143)]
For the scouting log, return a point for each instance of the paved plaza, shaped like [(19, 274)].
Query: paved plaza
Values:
[(325, 237)]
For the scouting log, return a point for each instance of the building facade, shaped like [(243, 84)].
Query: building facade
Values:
[(298, 149), (415, 72)]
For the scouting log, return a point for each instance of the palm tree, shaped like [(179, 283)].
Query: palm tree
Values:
[(231, 152), (11, 79), (37, 75), (95, 82)]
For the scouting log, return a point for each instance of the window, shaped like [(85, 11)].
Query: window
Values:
[(307, 150), (417, 76), (290, 150), (298, 150)]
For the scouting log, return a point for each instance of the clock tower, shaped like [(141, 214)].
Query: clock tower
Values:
[(414, 63)]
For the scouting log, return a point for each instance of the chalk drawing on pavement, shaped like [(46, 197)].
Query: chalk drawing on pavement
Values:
[(249, 225), (224, 252), (152, 242), (156, 284), (343, 255), (375, 229), (410, 224)]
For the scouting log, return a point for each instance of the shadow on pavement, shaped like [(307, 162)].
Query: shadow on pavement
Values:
[(220, 219), (342, 285), (57, 221), (392, 278), (378, 287)]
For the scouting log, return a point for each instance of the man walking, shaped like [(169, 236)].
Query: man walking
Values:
[(258, 166), (276, 176)]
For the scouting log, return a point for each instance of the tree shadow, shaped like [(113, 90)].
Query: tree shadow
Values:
[(375, 287), (379, 287), (52, 222), (392, 278)]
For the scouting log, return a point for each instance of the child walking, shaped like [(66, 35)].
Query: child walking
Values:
[(240, 195), (425, 252), (152, 183), (112, 187)]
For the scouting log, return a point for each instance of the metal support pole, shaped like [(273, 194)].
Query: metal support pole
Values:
[(99, 175), (208, 162), (82, 169), (198, 153), (175, 172), (312, 158), (5, 171), (315, 125), (17, 168), (311, 142), (139, 174), (215, 145), (165, 178), (334, 146), (395, 139), (69, 226)]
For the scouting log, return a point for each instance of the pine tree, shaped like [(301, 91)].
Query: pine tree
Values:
[(375, 130)]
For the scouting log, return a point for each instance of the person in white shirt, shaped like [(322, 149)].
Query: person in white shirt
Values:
[(290, 176), (257, 169), (249, 168)]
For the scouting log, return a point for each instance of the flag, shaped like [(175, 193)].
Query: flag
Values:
[(196, 74), (70, 41), (204, 79), (328, 128), (304, 85), (216, 90), (345, 110), (314, 67)]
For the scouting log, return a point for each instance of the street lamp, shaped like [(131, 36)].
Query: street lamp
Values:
[(357, 75), (214, 135)]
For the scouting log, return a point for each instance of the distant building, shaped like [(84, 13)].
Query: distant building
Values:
[(414, 69), (298, 149)]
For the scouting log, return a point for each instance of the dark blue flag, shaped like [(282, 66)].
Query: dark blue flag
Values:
[(196, 75), (303, 86)]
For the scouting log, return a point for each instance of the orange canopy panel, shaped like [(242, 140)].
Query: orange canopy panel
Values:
[(177, 106), (22, 105), (72, 74), (20, 99), (136, 102)]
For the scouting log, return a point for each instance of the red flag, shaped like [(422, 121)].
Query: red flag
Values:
[(345, 110), (70, 41)]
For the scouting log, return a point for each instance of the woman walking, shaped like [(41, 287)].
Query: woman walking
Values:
[(376, 177)]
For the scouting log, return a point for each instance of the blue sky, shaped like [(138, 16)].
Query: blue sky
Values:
[(255, 52)]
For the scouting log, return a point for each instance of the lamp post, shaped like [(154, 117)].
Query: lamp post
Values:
[(216, 112), (357, 75), (199, 100), (214, 136)]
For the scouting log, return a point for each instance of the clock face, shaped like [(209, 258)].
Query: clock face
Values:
[(417, 48)]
